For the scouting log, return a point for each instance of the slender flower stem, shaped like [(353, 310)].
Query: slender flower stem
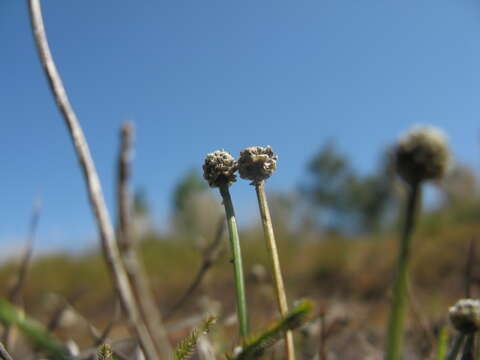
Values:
[(237, 262), (397, 311), (456, 346), (275, 263)]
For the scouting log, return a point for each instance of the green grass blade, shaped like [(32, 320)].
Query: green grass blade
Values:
[(442, 346), (33, 330)]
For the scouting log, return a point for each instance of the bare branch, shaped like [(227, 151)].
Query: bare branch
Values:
[(102, 338), (210, 255), (469, 268), (133, 265), (63, 306), (94, 189), (4, 355), (15, 293), (123, 179)]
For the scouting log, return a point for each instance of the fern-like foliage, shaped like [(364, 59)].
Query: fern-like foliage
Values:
[(105, 353), (186, 348), (256, 346)]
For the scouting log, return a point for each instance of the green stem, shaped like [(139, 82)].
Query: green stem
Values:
[(237, 262), (397, 310), (456, 346)]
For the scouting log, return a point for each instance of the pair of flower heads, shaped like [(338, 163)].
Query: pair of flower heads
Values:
[(255, 163), (420, 155)]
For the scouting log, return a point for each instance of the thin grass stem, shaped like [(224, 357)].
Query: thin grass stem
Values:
[(442, 344)]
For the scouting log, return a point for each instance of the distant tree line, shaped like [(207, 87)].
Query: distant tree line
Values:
[(332, 197)]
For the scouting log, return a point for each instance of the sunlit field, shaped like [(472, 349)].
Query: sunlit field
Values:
[(347, 264)]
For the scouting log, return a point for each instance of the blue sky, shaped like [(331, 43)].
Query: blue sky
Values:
[(196, 76)]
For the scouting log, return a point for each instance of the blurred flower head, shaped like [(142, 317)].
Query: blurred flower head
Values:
[(422, 154), (465, 315)]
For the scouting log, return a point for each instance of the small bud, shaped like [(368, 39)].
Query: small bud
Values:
[(219, 169), (465, 315), (257, 163), (421, 155)]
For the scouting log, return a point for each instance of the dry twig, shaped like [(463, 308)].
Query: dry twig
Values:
[(210, 255), (133, 265), (94, 188), (15, 293), (4, 355), (469, 268)]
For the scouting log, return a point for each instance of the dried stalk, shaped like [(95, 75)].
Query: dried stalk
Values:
[(4, 355), (133, 265), (97, 202), (469, 268), (15, 293), (428, 338), (58, 313), (210, 255), (275, 263)]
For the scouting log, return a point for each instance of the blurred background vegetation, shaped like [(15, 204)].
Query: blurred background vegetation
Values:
[(337, 239)]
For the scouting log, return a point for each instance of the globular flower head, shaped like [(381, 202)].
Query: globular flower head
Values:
[(465, 315), (422, 154), (257, 163), (219, 169)]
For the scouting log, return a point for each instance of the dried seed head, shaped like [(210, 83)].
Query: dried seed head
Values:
[(219, 169), (257, 163), (465, 315), (421, 155)]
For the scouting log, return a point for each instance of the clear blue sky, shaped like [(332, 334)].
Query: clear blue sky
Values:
[(196, 76)]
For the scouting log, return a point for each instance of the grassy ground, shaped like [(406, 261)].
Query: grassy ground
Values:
[(348, 278)]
